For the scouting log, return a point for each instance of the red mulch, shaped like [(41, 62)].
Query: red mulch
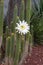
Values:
[(36, 57)]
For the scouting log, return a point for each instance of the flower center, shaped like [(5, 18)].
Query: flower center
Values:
[(23, 27)]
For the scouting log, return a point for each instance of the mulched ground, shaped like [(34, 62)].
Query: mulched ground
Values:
[(36, 57)]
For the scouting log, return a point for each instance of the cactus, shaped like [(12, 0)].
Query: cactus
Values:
[(13, 23), (15, 17), (7, 53), (22, 10), (1, 18), (22, 17), (12, 46), (7, 31), (28, 16), (8, 41), (18, 47), (17, 44), (28, 11), (30, 43), (22, 43), (1, 22), (12, 26), (22, 36)]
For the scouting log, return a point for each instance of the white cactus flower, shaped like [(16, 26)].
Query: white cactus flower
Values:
[(22, 27)]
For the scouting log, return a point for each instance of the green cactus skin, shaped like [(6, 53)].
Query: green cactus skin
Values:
[(30, 38), (15, 17), (7, 53), (18, 49), (22, 18), (21, 40), (28, 15), (22, 43), (8, 41), (12, 46), (7, 31), (28, 11), (13, 33), (1, 18), (1, 26), (12, 26), (30, 43), (22, 10), (32, 33)]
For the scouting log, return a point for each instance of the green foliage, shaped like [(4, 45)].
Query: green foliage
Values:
[(40, 30), (41, 5), (37, 22)]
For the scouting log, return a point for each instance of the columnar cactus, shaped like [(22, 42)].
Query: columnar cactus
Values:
[(7, 31), (1, 18), (22, 10), (28, 11), (8, 41), (22, 43), (28, 16), (15, 18), (12, 46), (22, 18), (17, 52), (15, 42)]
